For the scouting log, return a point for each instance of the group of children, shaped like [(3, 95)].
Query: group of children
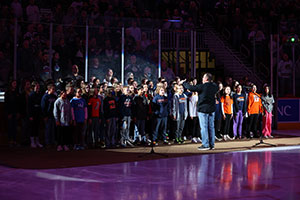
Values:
[(133, 114)]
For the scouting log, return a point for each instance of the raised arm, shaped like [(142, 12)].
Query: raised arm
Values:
[(192, 88)]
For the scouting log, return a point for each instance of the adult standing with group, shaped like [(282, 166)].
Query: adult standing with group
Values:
[(206, 109)]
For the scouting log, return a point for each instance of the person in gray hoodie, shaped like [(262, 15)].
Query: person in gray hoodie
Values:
[(267, 102), (63, 118), (179, 112)]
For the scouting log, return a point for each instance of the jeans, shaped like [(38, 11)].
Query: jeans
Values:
[(94, 131), (267, 124), (179, 127), (238, 123), (140, 124), (207, 126), (126, 120), (50, 131), (111, 131), (160, 122)]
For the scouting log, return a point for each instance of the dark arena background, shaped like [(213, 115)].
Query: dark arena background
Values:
[(149, 99)]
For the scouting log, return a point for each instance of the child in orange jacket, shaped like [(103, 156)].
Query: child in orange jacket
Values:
[(254, 109)]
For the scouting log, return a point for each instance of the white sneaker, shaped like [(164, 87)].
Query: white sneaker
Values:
[(129, 143), (59, 148), (33, 145), (199, 140), (218, 139), (194, 140), (230, 138), (184, 138), (38, 144)]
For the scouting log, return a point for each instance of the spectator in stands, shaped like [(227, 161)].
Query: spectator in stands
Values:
[(17, 9), (189, 24), (285, 67), (75, 74), (134, 67), (5, 68), (44, 68), (58, 13), (221, 9), (58, 35), (179, 21), (33, 12), (109, 75), (166, 71), (25, 64), (70, 17), (94, 68), (76, 5), (129, 42), (135, 31), (145, 42)]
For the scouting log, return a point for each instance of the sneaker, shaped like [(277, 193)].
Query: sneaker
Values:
[(77, 147), (266, 137), (38, 144), (166, 142), (184, 138), (177, 141), (66, 148), (251, 135), (203, 148), (218, 139), (33, 145), (155, 143), (181, 140), (225, 137), (59, 148), (129, 143), (270, 136), (229, 138), (194, 140), (211, 148), (199, 140)]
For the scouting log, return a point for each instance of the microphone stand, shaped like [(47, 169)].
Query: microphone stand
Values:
[(152, 152), (261, 141)]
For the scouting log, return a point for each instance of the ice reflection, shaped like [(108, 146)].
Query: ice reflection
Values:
[(240, 175), (179, 178)]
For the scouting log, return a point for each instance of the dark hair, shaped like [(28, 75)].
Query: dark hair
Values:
[(224, 94), (264, 92), (33, 84), (50, 86), (62, 91), (208, 76)]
